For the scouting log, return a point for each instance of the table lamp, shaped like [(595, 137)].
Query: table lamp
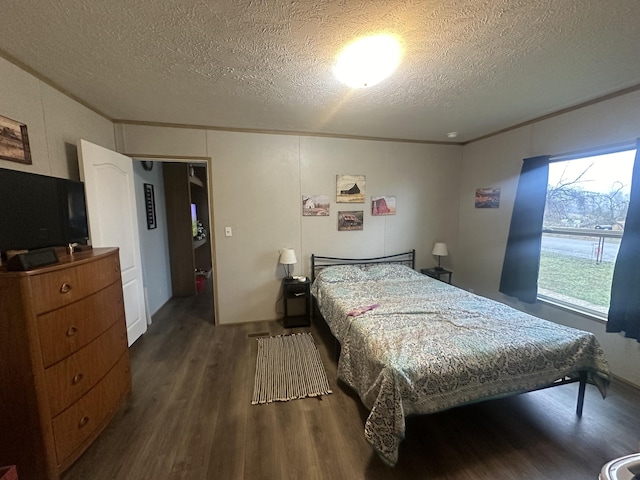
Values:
[(287, 258), (440, 250)]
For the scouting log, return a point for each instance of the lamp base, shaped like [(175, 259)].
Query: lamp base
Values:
[(439, 268)]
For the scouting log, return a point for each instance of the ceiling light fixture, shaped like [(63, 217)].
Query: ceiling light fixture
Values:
[(452, 134), (368, 60)]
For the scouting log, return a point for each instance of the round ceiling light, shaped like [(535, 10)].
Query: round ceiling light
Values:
[(368, 60)]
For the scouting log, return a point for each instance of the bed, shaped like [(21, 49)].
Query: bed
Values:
[(410, 344)]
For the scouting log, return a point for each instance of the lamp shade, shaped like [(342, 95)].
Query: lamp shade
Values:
[(440, 250), (287, 256)]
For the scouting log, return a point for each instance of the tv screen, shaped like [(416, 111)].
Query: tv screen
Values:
[(38, 211), (194, 220)]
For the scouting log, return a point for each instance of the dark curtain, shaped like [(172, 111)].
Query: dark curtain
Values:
[(522, 256), (624, 309)]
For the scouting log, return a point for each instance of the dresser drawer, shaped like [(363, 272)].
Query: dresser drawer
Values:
[(58, 288), (71, 378), (67, 329), (74, 427)]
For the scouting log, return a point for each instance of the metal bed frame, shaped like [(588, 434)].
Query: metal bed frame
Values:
[(408, 258), (318, 263)]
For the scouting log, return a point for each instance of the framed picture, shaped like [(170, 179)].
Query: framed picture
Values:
[(383, 205), (14, 141), (315, 205), (150, 206), (350, 188), (488, 197), (350, 220)]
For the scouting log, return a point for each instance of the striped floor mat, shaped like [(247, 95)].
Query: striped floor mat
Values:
[(288, 367)]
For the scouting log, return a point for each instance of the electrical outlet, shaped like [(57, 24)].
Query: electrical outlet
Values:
[(228, 232)]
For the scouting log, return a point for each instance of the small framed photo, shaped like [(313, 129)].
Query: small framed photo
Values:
[(150, 206), (14, 141), (383, 205), (315, 205), (487, 197), (353, 220), (350, 188)]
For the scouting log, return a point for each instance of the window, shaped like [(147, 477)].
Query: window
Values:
[(584, 218)]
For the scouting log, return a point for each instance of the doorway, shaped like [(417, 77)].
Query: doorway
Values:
[(182, 264)]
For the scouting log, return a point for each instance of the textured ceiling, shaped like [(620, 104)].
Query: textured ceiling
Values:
[(469, 66)]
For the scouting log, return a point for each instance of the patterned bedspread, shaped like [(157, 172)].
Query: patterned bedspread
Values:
[(422, 346)]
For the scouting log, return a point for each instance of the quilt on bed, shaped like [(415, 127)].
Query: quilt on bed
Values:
[(422, 346)]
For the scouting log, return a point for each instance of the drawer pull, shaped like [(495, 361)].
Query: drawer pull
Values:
[(77, 378), (65, 288), (83, 421), (72, 331)]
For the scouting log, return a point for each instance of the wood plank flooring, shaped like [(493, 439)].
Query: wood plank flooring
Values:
[(190, 417)]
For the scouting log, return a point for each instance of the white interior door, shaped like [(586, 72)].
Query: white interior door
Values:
[(113, 222)]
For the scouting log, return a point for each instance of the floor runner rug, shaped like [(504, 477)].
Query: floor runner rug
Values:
[(288, 367)]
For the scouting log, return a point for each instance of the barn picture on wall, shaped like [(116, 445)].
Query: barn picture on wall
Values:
[(384, 205), (350, 188), (14, 141), (315, 205), (350, 220)]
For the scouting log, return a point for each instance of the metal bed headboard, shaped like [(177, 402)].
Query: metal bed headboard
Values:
[(319, 262)]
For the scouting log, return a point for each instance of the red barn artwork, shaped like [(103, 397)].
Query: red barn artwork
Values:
[(384, 205)]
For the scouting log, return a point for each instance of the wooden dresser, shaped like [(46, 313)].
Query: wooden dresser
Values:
[(64, 362)]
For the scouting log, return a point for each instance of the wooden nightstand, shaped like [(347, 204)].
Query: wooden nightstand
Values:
[(437, 273), (297, 302)]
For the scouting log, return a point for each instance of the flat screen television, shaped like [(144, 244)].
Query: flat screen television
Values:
[(194, 220), (37, 211)]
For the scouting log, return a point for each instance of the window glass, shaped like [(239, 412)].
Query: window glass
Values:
[(585, 212)]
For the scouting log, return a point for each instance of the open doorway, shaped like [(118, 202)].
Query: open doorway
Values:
[(178, 236)]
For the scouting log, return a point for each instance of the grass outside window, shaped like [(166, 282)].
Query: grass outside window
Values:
[(578, 278)]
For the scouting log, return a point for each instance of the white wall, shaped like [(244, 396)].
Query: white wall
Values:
[(423, 178), (496, 162), (257, 185), (54, 123), (154, 243)]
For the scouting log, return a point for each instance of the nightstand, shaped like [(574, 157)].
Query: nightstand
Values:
[(437, 274), (297, 302)]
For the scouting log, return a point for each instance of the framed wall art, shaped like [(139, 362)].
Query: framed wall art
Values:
[(315, 205), (14, 141), (353, 220), (150, 206), (383, 205), (350, 188), (487, 197)]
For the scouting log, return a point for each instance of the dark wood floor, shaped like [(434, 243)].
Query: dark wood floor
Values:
[(190, 417)]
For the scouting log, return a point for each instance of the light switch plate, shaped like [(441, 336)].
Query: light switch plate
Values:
[(227, 232)]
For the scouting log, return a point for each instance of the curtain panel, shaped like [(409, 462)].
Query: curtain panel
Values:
[(522, 256), (624, 309)]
